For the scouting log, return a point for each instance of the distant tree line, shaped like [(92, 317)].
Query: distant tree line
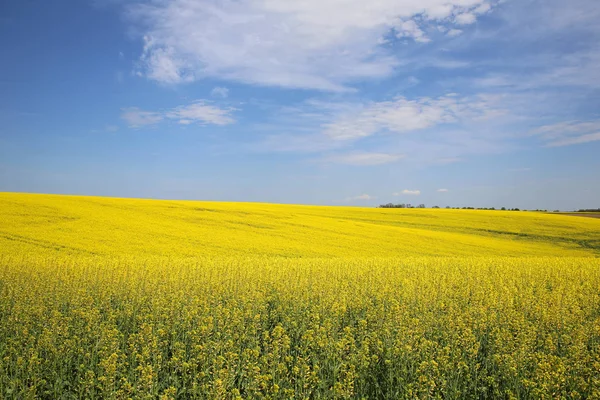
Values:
[(391, 205), (402, 205)]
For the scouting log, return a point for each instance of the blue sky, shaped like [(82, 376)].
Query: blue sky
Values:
[(339, 102)]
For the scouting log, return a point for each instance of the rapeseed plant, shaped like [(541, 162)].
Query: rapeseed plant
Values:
[(288, 328), (118, 299)]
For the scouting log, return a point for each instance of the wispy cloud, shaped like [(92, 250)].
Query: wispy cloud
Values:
[(402, 115), (535, 31), (107, 128), (590, 137), (442, 190), (407, 192), (568, 133), (465, 19), (199, 112), (454, 32), (438, 130), (546, 71), (362, 197), (221, 92), (136, 118), (576, 69), (317, 44)]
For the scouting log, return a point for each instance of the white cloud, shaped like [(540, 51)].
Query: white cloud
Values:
[(537, 24), (361, 197), (494, 81), (221, 92), (590, 137), (454, 32), (412, 30), (365, 159), (465, 19), (566, 128), (318, 44), (576, 69), (568, 133), (402, 115), (202, 113), (137, 118), (412, 81), (164, 65), (408, 193), (442, 190), (197, 112), (426, 131), (483, 9)]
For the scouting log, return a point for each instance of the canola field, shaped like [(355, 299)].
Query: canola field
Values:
[(104, 298)]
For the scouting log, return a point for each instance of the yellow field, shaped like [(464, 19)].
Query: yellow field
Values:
[(119, 298), (66, 225)]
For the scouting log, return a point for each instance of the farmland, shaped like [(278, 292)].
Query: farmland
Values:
[(123, 298), (584, 214), (94, 226)]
